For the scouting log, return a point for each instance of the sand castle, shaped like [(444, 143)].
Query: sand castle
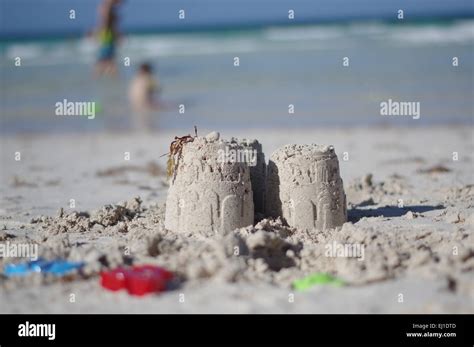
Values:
[(210, 192), (304, 187), (218, 186)]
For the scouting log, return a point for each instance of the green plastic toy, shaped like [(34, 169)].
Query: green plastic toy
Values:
[(319, 278)]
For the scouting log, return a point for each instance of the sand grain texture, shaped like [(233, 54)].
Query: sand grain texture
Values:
[(416, 228)]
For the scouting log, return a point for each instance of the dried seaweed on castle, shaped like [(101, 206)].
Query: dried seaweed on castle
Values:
[(174, 155)]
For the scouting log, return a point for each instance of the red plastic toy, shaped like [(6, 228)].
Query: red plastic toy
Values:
[(138, 280)]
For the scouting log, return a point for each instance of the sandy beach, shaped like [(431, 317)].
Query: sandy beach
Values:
[(410, 196)]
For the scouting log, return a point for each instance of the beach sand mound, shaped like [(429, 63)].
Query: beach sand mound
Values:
[(271, 252)]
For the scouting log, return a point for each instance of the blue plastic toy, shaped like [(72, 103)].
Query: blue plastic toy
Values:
[(56, 267)]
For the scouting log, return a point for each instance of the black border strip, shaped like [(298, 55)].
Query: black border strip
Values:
[(242, 329)]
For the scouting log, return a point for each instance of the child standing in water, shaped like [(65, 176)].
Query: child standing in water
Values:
[(108, 36), (141, 95)]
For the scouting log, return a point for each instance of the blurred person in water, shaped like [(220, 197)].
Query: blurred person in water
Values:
[(142, 96), (108, 36)]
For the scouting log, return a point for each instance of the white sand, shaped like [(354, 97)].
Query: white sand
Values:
[(424, 251)]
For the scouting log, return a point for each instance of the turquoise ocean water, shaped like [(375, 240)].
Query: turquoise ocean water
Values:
[(300, 65)]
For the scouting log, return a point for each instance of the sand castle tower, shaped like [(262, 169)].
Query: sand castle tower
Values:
[(258, 171), (210, 190), (305, 188)]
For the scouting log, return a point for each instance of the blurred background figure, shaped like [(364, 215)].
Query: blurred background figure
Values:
[(107, 35), (142, 97)]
